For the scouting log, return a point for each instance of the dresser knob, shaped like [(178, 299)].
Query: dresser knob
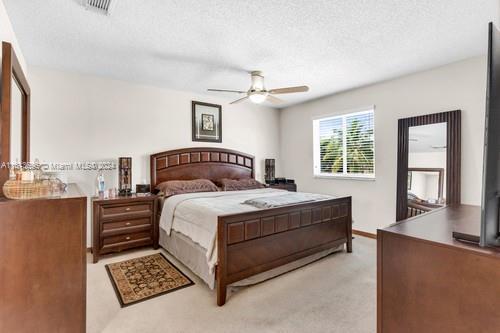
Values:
[(127, 209), (128, 223), (128, 238)]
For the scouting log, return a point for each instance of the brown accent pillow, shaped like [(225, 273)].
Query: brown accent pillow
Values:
[(173, 187), (239, 184)]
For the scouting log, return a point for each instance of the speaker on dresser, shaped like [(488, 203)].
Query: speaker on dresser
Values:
[(125, 175), (270, 168)]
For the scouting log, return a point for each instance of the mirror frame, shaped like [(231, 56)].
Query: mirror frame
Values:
[(453, 157), (12, 72), (439, 171)]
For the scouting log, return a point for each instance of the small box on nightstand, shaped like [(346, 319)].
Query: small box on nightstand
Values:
[(292, 187)]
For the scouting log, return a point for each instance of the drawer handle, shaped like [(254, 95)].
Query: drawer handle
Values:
[(128, 238), (127, 209), (128, 223)]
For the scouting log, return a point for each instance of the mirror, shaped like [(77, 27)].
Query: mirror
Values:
[(426, 168), (428, 175), (14, 113), (425, 185)]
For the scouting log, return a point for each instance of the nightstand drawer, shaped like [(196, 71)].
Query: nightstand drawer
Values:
[(108, 212), (115, 240), (126, 226)]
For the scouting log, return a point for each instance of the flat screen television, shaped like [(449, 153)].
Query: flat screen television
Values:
[(490, 224)]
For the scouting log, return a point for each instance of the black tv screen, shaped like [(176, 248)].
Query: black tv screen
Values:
[(490, 225)]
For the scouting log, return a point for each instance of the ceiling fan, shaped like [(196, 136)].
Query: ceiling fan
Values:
[(258, 93)]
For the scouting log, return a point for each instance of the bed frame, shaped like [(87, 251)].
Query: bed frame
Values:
[(257, 241)]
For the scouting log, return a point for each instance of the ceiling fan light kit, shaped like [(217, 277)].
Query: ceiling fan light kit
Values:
[(258, 97), (258, 94)]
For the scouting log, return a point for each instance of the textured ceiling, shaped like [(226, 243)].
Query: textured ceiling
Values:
[(198, 44), (424, 138)]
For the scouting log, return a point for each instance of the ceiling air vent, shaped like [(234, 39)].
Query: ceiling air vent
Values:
[(100, 6)]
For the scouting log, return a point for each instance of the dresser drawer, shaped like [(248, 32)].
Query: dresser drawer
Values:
[(142, 209), (127, 226), (126, 238)]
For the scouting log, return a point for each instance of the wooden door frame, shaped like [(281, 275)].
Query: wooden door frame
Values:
[(12, 72), (453, 157)]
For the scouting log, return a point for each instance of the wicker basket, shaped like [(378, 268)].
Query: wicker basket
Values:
[(18, 189)]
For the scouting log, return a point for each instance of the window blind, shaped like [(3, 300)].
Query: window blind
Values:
[(344, 145)]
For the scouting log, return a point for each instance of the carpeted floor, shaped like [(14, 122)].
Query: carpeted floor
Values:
[(335, 294)]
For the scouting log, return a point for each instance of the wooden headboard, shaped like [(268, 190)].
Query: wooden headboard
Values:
[(195, 163)]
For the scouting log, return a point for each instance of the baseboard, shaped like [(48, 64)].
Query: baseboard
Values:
[(364, 233)]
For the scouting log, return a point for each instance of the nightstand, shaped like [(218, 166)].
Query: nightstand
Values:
[(292, 187), (123, 223)]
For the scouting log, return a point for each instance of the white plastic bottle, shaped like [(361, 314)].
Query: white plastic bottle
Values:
[(100, 183)]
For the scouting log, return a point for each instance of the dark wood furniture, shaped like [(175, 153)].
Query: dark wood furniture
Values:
[(419, 207), (429, 282), (453, 157), (292, 187), (12, 73), (257, 241), (123, 223), (43, 263)]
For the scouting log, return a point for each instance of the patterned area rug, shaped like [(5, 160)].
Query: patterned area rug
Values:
[(139, 279)]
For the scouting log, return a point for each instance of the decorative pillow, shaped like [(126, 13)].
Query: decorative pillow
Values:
[(239, 184), (173, 187)]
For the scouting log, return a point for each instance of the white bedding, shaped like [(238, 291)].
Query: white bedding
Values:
[(195, 214)]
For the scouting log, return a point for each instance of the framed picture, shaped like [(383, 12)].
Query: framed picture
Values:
[(207, 122)]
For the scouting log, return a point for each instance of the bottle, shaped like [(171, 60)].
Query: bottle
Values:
[(100, 183), (18, 172), (12, 173), (37, 170)]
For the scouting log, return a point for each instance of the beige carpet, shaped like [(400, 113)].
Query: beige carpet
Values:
[(335, 294)]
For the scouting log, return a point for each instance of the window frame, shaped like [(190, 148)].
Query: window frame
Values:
[(316, 145)]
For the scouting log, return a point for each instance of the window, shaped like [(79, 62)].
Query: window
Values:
[(344, 145)]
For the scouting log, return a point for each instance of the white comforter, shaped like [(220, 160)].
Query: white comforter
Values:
[(195, 215)]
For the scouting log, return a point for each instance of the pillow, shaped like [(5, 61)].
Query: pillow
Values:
[(173, 187), (239, 184)]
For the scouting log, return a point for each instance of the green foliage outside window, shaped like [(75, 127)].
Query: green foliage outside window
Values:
[(360, 150)]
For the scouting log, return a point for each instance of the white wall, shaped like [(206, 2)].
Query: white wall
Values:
[(7, 35), (86, 118), (460, 85)]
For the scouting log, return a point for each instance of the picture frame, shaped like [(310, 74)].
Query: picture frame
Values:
[(206, 122)]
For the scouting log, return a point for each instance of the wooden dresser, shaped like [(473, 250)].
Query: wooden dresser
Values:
[(429, 282), (123, 223), (43, 264)]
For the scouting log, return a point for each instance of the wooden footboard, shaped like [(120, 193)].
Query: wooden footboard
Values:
[(254, 242)]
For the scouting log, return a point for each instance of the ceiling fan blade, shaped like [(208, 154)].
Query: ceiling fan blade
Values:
[(289, 90), (225, 90), (239, 100), (274, 100)]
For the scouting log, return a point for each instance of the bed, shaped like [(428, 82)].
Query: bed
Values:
[(254, 244)]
